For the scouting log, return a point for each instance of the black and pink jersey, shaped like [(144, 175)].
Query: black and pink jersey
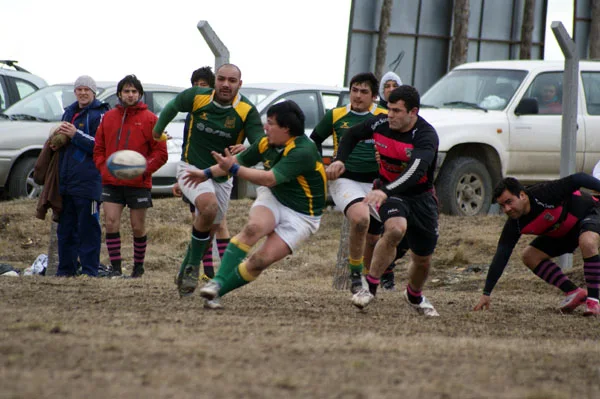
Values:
[(557, 207), (408, 159)]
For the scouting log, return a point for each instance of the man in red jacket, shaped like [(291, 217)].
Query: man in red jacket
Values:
[(128, 127)]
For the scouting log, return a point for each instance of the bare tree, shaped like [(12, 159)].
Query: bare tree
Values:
[(527, 30), (460, 39), (384, 29), (595, 31)]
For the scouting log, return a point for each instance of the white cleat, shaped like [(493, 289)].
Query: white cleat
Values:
[(424, 308), (213, 303), (211, 290), (362, 298)]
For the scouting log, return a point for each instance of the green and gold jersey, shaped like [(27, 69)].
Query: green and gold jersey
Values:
[(336, 122), (299, 172), (212, 127)]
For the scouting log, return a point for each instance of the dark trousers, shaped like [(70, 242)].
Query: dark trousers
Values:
[(79, 236)]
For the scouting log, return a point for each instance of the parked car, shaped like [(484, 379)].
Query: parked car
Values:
[(492, 122), (25, 126), (16, 83), (314, 101)]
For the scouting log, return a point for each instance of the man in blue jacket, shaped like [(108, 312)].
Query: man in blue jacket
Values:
[(79, 233)]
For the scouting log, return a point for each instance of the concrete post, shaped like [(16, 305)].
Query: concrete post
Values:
[(214, 43), (568, 144)]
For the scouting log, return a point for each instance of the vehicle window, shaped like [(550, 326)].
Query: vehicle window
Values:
[(472, 88), (344, 99), (112, 100), (160, 99), (591, 88), (47, 103), (24, 88), (330, 100), (256, 96), (3, 97), (547, 89), (308, 102)]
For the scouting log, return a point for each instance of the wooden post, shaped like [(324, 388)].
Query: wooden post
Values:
[(341, 276), (384, 29), (460, 40), (527, 30)]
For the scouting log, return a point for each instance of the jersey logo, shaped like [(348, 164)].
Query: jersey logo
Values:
[(267, 164), (345, 125), (408, 152), (229, 122), (548, 217), (203, 116)]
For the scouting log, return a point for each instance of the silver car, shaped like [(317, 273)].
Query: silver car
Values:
[(25, 126)]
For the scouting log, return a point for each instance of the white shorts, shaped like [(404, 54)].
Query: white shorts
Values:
[(291, 226), (346, 191), (221, 190)]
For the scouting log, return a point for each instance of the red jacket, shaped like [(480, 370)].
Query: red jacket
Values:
[(129, 129)]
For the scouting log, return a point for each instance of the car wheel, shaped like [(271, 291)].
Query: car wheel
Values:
[(21, 182), (464, 187)]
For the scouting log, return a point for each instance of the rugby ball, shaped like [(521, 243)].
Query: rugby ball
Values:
[(126, 164)]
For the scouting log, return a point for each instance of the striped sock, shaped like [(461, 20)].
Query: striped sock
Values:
[(355, 265), (414, 296), (591, 270), (113, 245), (222, 245), (207, 262), (552, 274), (139, 250)]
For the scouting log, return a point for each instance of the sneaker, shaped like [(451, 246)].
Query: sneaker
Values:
[(137, 272), (573, 300), (357, 282), (211, 290), (213, 303), (592, 308), (424, 308), (387, 282), (115, 274), (362, 298), (187, 283)]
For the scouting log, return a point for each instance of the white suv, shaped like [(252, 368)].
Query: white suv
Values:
[(16, 83), (503, 118)]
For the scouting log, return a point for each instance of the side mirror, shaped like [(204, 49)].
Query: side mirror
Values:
[(527, 106)]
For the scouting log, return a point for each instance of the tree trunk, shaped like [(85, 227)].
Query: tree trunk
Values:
[(595, 31), (460, 39), (527, 30), (384, 29)]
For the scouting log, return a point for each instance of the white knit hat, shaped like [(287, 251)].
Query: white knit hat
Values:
[(386, 77), (86, 81)]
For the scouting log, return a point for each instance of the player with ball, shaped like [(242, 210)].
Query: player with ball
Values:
[(125, 129)]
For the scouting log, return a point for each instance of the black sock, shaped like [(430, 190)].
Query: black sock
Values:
[(373, 284), (591, 271)]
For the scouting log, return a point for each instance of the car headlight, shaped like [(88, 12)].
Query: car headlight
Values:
[(174, 146)]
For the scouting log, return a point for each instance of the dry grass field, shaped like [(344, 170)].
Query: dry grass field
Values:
[(289, 334)]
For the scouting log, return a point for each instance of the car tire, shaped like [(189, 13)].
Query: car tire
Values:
[(21, 182), (464, 187)]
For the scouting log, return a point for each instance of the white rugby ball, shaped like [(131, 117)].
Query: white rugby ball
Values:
[(126, 164)]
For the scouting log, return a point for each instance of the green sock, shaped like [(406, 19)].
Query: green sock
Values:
[(196, 249), (236, 279), (355, 265), (233, 256)]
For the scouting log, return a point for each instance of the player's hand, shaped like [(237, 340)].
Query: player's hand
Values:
[(335, 170), (236, 149), (193, 177), (176, 190), (224, 161), (159, 137), (375, 198), (484, 303)]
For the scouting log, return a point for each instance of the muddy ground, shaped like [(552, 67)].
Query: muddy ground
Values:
[(289, 334)]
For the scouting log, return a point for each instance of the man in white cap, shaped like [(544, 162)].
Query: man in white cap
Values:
[(79, 232), (389, 81)]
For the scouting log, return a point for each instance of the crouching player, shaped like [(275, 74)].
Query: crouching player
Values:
[(288, 206)]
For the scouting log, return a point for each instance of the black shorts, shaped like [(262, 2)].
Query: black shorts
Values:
[(421, 214), (556, 246), (133, 197)]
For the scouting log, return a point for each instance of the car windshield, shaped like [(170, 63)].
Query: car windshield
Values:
[(256, 96), (47, 103), (483, 89)]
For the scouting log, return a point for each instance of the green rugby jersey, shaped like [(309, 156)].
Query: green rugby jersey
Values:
[(212, 127), (299, 172), (336, 122)]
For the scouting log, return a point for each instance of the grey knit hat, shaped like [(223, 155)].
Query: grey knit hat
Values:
[(86, 81)]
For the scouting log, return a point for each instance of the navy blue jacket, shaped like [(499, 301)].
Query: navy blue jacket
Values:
[(78, 175)]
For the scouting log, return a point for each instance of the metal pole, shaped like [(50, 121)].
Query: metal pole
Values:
[(214, 43), (568, 147)]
